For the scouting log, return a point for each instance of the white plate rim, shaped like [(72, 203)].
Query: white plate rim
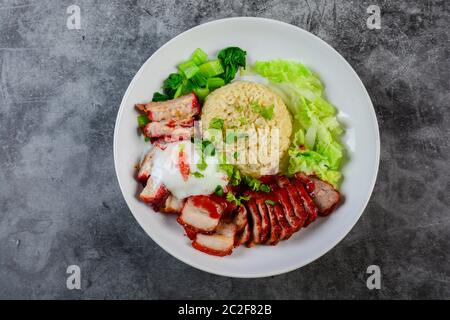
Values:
[(324, 250)]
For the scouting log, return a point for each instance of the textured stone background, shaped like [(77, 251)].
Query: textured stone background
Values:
[(60, 203)]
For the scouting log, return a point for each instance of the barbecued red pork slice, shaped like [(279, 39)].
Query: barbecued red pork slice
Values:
[(177, 109), (295, 199), (286, 229), (240, 219), (255, 223), (275, 228), (220, 243), (324, 195), (172, 205), (243, 237), (145, 167), (242, 226), (265, 219), (201, 213), (154, 193), (283, 199), (308, 203)]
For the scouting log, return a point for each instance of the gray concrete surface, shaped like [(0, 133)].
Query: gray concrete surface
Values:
[(60, 203)]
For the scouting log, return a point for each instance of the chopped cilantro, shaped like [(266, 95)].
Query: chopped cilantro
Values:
[(270, 202)]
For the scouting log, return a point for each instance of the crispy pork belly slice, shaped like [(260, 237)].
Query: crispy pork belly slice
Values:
[(220, 243), (295, 199), (255, 223), (172, 205), (265, 219), (325, 196), (159, 130), (308, 203), (145, 167), (154, 193), (275, 228), (177, 109), (201, 213), (283, 199)]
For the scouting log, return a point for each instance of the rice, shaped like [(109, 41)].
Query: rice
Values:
[(237, 105)]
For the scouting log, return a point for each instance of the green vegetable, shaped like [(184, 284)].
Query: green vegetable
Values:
[(199, 56), (201, 93), (171, 84), (238, 201), (265, 188), (232, 58), (232, 172), (160, 97), (216, 123), (188, 68), (142, 120), (267, 113), (316, 147), (202, 165), (214, 83), (219, 191), (270, 202), (197, 174), (255, 184), (211, 68)]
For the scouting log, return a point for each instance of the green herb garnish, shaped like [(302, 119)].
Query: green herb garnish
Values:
[(237, 201), (270, 202), (197, 175), (216, 123), (265, 188), (219, 191)]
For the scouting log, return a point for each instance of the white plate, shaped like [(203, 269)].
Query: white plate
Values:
[(262, 39)]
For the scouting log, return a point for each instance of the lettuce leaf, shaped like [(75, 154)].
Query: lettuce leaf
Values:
[(315, 147)]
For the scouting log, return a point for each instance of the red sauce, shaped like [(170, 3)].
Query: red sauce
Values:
[(213, 208), (183, 164)]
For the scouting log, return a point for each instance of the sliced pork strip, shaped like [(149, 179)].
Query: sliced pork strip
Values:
[(178, 109), (154, 193), (172, 205), (157, 130), (244, 236), (265, 219), (145, 167), (308, 203), (275, 228), (240, 219), (220, 243), (325, 196), (286, 229), (283, 199), (255, 223), (295, 199), (201, 213)]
